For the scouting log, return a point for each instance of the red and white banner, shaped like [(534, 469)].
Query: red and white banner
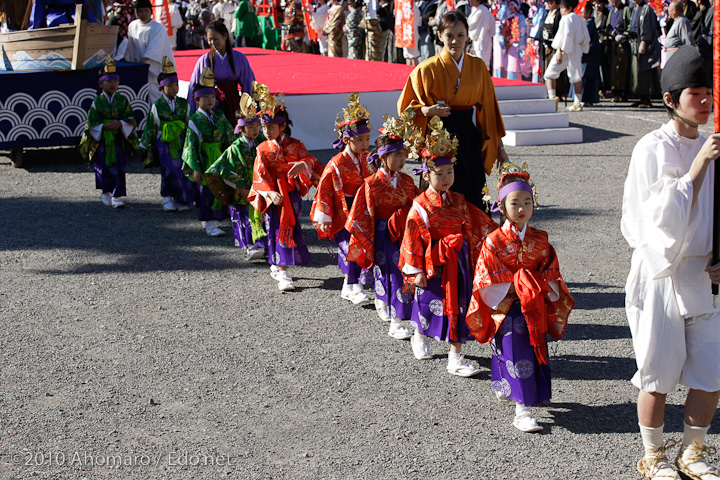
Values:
[(161, 14), (404, 24)]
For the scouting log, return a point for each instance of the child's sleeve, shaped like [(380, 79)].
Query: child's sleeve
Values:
[(412, 249), (191, 151), (147, 142)]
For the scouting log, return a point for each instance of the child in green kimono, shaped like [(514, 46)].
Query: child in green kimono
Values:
[(209, 133), (162, 141), (235, 168), (109, 138)]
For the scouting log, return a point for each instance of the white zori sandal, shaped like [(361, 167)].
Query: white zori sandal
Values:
[(696, 466), (524, 421), (655, 465)]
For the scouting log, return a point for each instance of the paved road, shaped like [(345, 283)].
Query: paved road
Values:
[(133, 346)]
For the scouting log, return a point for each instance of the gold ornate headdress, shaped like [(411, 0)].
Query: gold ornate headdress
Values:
[(403, 128), (354, 113), (269, 104), (168, 67), (109, 70), (207, 79), (509, 168), (439, 143)]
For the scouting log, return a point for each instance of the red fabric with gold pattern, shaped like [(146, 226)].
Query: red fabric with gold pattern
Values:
[(341, 177), (272, 164), (376, 200), (501, 256), (454, 215)]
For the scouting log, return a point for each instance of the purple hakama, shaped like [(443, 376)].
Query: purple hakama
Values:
[(351, 269), (516, 372), (389, 281), (427, 311), (173, 182), (279, 254), (204, 200), (242, 229), (110, 178)]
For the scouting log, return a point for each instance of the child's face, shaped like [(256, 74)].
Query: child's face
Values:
[(358, 143), (251, 131), (206, 102), (273, 131), (171, 90), (694, 105), (441, 178), (395, 161), (110, 86), (518, 207)]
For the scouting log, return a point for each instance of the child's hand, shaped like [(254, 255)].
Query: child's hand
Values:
[(558, 57), (711, 148), (112, 125), (420, 280), (296, 169), (197, 177), (275, 198)]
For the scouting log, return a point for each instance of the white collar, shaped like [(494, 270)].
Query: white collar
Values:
[(208, 115), (278, 140), (109, 97), (459, 64), (170, 102), (351, 154), (222, 57), (442, 195), (521, 233)]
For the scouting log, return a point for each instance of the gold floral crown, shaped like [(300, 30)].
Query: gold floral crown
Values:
[(269, 104), (508, 169), (439, 143), (403, 128), (354, 113)]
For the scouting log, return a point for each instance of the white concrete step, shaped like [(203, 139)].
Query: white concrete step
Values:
[(535, 121), (521, 92), (535, 105), (543, 136)]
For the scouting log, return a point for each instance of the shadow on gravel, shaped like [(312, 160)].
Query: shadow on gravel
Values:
[(554, 212), (596, 332), (139, 238), (592, 134), (615, 418), (595, 300), (579, 367)]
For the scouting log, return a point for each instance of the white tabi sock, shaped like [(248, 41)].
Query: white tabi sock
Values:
[(521, 409), (652, 437), (576, 100), (454, 358), (551, 93), (691, 432)]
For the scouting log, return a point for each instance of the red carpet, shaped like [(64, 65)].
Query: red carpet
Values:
[(305, 74)]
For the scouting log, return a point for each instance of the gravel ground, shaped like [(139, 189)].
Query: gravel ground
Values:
[(133, 346)]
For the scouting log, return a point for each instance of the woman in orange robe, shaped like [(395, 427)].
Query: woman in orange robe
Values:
[(455, 85)]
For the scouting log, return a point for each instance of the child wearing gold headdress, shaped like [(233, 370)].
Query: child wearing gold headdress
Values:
[(518, 298), (209, 133), (284, 171), (377, 220), (110, 138), (163, 138), (235, 168), (437, 250), (340, 181)]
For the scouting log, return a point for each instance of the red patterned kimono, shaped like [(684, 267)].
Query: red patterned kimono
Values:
[(433, 243), (528, 265), (340, 179), (378, 200), (270, 174)]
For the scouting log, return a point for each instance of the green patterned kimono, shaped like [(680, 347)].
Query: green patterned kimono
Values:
[(236, 166), (205, 141), (171, 126), (101, 112)]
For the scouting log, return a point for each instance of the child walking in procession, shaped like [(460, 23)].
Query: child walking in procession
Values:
[(163, 139), (282, 175), (377, 220), (208, 135), (518, 297), (436, 252), (343, 176), (110, 138), (235, 168), (667, 218)]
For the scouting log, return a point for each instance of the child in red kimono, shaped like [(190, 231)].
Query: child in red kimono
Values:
[(441, 235), (377, 221), (340, 181), (281, 177), (518, 297)]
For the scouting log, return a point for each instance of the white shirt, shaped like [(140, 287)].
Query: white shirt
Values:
[(670, 236), (572, 35), (149, 43)]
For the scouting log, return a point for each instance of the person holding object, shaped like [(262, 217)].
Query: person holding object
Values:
[(666, 218)]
